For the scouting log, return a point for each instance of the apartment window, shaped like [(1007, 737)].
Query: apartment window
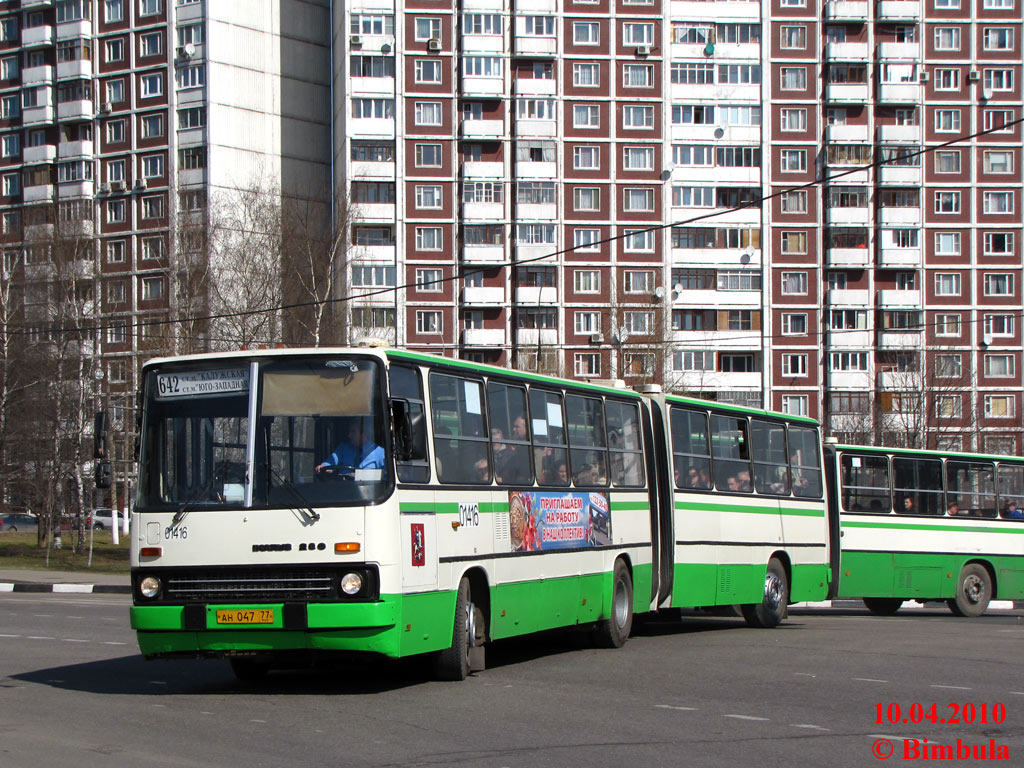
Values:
[(193, 76), (997, 4), (113, 11), (373, 317), (114, 50), (428, 280), (377, 24), (428, 156), (947, 38), (947, 79), (9, 68), (425, 71), (638, 158), (692, 154), (640, 199), (482, 66), (426, 29), (115, 91), (683, 73), (482, 192), (639, 323), (371, 276), (586, 199), (151, 44), (152, 288), (149, 7), (999, 366), (948, 406), (588, 322), (11, 184), (152, 85), (586, 281), (793, 78), (586, 158), (191, 158), (117, 332), (635, 116), (848, 361), (948, 366), (116, 211), (635, 33), (794, 242), (638, 281), (10, 145), (152, 126), (10, 107), (739, 74), (586, 33), (998, 284), (947, 284), (482, 24), (793, 160), (794, 283), (535, 234), (795, 405), (190, 34), (429, 321), (115, 251), (152, 166), (947, 161), (378, 66), (998, 38), (586, 239), (637, 75), (997, 161), (947, 202), (700, 360), (947, 120), (794, 201), (997, 79), (586, 75), (535, 109), (1000, 326), (998, 120), (998, 243), (793, 37), (374, 108), (153, 207), (427, 113), (587, 364), (191, 117), (116, 292), (794, 365), (947, 325), (793, 119), (794, 324), (428, 197), (947, 243), (997, 202), (152, 248), (735, 114), (586, 116), (999, 406)]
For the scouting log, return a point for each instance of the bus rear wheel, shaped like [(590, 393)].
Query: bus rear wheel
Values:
[(613, 632), (883, 606), (772, 608), (465, 654), (973, 591)]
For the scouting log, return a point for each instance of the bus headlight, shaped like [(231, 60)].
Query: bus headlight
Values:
[(149, 587), (351, 583)]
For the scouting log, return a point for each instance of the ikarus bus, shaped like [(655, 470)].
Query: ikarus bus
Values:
[(297, 503)]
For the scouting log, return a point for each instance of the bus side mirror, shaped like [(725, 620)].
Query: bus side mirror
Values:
[(409, 430)]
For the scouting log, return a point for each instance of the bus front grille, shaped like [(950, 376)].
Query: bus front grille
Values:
[(263, 585)]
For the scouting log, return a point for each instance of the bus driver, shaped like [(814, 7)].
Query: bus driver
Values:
[(357, 451)]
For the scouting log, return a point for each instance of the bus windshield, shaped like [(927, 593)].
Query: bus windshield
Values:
[(282, 434)]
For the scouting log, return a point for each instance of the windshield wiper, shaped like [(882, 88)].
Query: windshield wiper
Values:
[(303, 506), (183, 509)]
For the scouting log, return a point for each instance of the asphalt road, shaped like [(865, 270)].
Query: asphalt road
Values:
[(697, 692)]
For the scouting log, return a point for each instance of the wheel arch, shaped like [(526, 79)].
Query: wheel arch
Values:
[(480, 591), (783, 557), (987, 565)]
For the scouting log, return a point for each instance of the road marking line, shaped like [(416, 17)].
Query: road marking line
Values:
[(79, 588), (804, 674), (747, 717), (681, 709), (952, 687), (1017, 693), (7, 586), (43, 615), (72, 640), (113, 642), (10, 635), (807, 725), (40, 637), (257, 721), (868, 680)]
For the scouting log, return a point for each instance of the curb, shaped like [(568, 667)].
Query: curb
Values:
[(108, 589), (999, 605)]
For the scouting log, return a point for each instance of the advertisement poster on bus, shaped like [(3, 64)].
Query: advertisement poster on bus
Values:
[(546, 521)]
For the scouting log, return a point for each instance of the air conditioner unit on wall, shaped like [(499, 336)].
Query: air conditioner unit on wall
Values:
[(355, 39), (925, 77), (140, 184), (104, 189), (974, 75), (596, 338), (643, 50), (105, 107), (433, 45), (117, 186)]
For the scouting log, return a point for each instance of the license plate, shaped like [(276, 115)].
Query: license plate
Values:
[(246, 616)]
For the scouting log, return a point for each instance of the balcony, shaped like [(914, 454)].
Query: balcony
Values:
[(489, 212), (900, 421), (536, 295), (899, 51), (481, 295), (526, 169), (535, 46), (79, 69), (900, 381), (846, 52), (372, 86), (535, 86), (846, 10), (847, 258), (842, 338), (537, 212), (483, 337), (533, 337), (483, 170), (36, 75), (846, 93), (383, 127), (38, 194), (482, 43), (45, 153), (483, 254), (188, 177), (482, 129), (899, 339), (534, 252), (68, 30), (899, 134), (529, 7), (898, 10), (900, 175), (75, 110), (77, 189), (375, 253), (35, 36), (891, 216), (697, 381), (37, 115), (899, 93), (891, 299), (68, 149), (847, 217), (527, 128), (845, 134), (483, 87), (362, 169), (854, 175), (848, 297), (899, 258), (856, 380), (384, 212)]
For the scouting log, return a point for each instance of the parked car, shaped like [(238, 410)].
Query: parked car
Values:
[(19, 521), (102, 518)]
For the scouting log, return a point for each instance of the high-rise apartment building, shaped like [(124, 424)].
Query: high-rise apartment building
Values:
[(600, 188)]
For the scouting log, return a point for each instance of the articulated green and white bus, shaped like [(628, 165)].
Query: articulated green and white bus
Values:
[(927, 525), (473, 503)]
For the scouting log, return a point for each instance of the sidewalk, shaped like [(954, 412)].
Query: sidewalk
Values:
[(63, 581)]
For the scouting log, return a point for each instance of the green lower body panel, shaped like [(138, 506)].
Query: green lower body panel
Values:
[(922, 576), (707, 584)]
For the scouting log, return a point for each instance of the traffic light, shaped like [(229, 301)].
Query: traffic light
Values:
[(104, 474), (99, 435)]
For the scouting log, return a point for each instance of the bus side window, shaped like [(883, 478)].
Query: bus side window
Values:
[(691, 453), (805, 464), (624, 443), (548, 428), (730, 448), (970, 485), (771, 471), (405, 383), (460, 438), (588, 455), (1010, 486), (510, 436), (917, 486), (865, 483)]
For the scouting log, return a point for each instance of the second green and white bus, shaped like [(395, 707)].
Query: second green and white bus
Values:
[(500, 503)]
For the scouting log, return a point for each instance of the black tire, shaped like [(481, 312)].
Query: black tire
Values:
[(883, 606), (613, 632), (249, 670), (97, 526), (453, 662), (772, 609), (973, 592)]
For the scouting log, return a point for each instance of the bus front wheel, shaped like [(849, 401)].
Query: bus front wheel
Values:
[(613, 632), (465, 654), (973, 591), (883, 606), (772, 608)]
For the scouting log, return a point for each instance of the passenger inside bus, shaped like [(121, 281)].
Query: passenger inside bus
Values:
[(908, 506), (356, 451), (954, 509), (1012, 512)]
